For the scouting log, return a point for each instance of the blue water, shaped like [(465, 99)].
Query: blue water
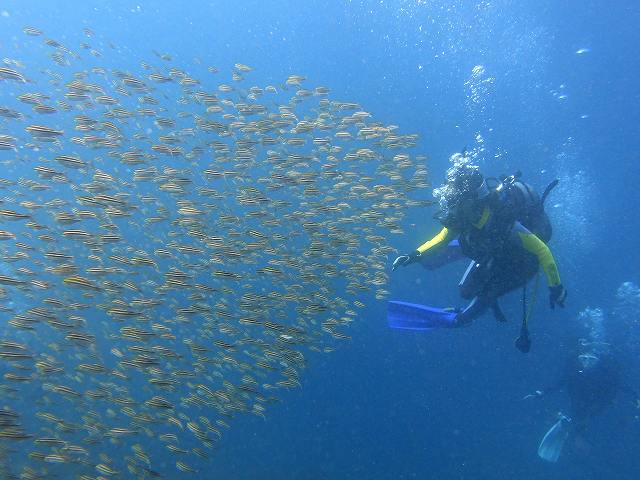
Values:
[(549, 88)]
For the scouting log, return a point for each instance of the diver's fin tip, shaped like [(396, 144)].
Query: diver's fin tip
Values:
[(552, 443)]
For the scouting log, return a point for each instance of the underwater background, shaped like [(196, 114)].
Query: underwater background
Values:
[(543, 87)]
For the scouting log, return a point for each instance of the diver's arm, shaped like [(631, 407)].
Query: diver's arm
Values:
[(441, 239), (531, 243)]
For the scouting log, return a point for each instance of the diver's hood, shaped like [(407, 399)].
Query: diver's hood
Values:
[(464, 191), (462, 201)]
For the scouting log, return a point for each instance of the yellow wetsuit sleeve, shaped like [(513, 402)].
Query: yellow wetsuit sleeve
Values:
[(536, 246), (442, 238)]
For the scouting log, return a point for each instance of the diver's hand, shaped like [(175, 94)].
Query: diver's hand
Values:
[(536, 394), (404, 260), (557, 296)]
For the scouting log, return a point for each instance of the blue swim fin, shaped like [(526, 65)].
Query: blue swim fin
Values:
[(551, 445), (411, 316)]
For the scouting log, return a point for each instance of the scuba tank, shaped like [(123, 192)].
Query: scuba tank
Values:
[(518, 201), (511, 200)]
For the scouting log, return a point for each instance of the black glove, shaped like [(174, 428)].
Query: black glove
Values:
[(404, 260), (557, 296)]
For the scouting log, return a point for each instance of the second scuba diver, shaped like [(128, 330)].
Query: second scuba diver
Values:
[(592, 379), (502, 228), (592, 383)]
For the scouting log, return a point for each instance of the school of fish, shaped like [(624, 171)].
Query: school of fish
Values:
[(173, 250)]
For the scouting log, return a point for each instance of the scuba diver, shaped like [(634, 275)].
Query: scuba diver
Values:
[(499, 224), (592, 382), (592, 378)]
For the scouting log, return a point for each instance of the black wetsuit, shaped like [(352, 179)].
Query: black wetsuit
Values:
[(506, 255)]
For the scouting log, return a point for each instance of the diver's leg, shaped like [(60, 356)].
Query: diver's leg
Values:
[(584, 407), (511, 274), (506, 277), (477, 307), (485, 283), (473, 285), (473, 281), (497, 311)]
